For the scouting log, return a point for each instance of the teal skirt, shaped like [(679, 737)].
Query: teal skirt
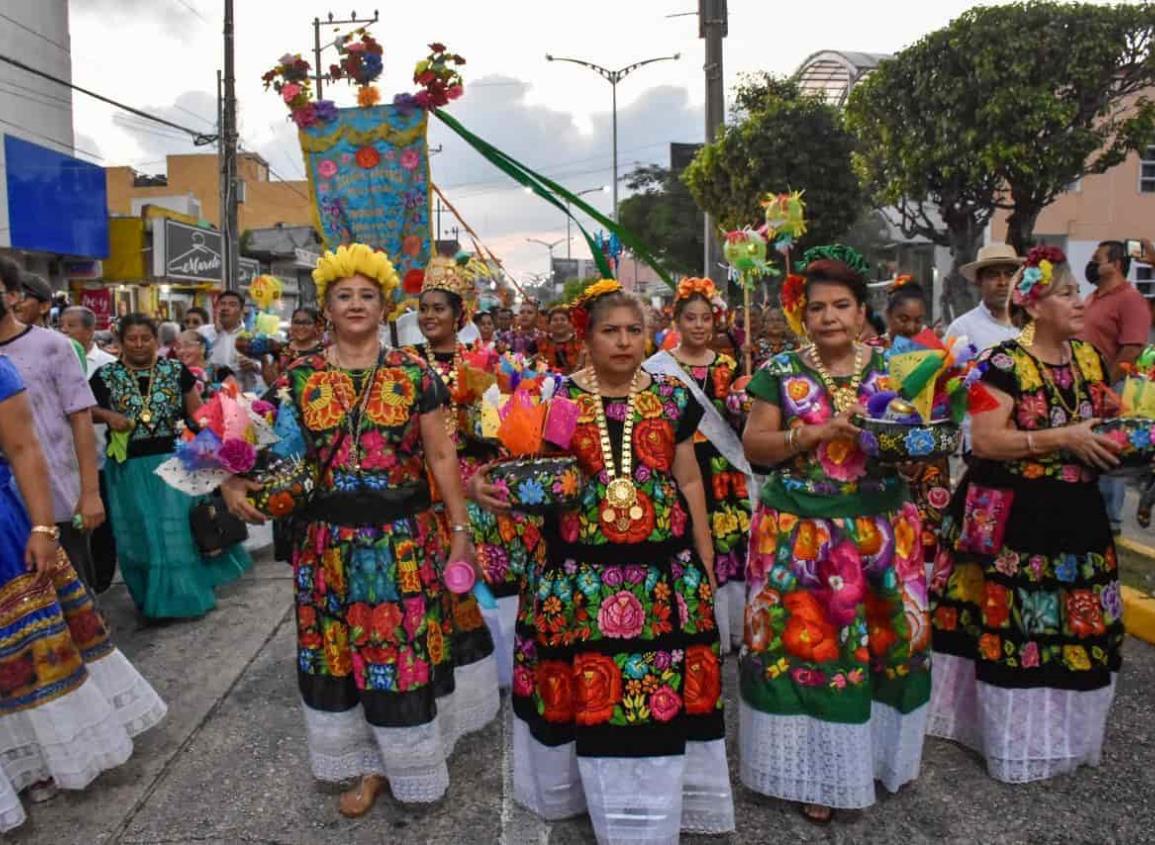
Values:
[(165, 573)]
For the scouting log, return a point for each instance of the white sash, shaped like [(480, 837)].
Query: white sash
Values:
[(713, 426)]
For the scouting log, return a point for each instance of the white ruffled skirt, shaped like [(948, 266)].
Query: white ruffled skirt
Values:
[(73, 738)]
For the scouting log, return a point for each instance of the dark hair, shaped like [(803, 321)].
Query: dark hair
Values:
[(505, 310), (135, 319), (680, 304), (558, 309), (601, 306), (9, 274), (911, 290), (196, 309), (455, 304), (481, 314), (827, 271), (308, 310), (235, 294), (876, 321), (1117, 254)]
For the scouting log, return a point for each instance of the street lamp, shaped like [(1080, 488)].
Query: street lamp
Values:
[(604, 189), (550, 247), (614, 77)]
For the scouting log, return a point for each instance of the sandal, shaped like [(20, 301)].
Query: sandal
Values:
[(359, 800), (818, 814)]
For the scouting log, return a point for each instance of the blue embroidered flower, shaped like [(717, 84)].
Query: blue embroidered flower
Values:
[(635, 667), (1141, 438), (1067, 568), (588, 582), (381, 676), (563, 589), (530, 492), (919, 442), (692, 578), (1040, 611), (782, 577)]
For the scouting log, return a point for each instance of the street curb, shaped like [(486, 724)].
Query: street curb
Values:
[(1138, 607)]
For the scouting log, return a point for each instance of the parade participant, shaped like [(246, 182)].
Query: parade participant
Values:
[(383, 699), (70, 702), (905, 309), (61, 406), (194, 318), (834, 675), (79, 323), (306, 337), (1027, 618), (191, 350), (561, 350), (777, 332), (989, 322), (148, 397), (506, 544), (617, 677), (726, 474), (524, 337), (486, 328), (503, 319)]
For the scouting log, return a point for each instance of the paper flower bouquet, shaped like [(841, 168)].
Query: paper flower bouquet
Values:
[(1134, 428)]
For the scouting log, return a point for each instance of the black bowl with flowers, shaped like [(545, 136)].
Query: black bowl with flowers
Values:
[(1136, 439), (538, 485), (890, 442)]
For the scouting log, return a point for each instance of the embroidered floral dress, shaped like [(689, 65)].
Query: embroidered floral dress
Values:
[(617, 659), (1026, 609), (506, 545), (834, 672), (378, 638)]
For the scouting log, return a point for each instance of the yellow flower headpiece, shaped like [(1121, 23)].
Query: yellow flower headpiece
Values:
[(351, 260)]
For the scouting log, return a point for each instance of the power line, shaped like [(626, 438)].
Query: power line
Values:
[(195, 12), (39, 35), (199, 138), (50, 139)]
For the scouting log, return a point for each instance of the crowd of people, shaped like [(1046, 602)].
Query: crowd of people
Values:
[(868, 605)]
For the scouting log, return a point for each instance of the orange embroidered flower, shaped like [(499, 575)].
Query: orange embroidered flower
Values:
[(368, 157), (996, 605), (703, 685), (638, 529), (808, 639), (555, 688), (324, 398), (597, 690), (648, 405), (1085, 614), (436, 644), (587, 447), (654, 442), (990, 646), (337, 654), (390, 399)]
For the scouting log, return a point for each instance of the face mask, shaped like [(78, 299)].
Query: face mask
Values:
[(1091, 273)]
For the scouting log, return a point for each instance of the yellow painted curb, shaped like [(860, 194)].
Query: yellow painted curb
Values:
[(1139, 614), (1136, 547)]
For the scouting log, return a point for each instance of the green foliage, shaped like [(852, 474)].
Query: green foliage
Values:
[(662, 213), (574, 288), (779, 139)]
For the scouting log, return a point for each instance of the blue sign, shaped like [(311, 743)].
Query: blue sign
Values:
[(56, 203)]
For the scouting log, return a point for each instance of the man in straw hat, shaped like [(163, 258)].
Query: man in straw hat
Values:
[(989, 322)]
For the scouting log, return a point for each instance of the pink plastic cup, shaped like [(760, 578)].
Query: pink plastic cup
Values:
[(459, 577)]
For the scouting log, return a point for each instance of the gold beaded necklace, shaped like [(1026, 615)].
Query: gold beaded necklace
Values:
[(1052, 386), (451, 379), (843, 396), (622, 506)]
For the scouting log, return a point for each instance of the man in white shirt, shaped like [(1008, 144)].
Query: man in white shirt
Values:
[(222, 339), (79, 323), (989, 322)]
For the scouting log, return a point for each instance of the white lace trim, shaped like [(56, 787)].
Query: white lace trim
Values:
[(629, 799), (800, 758), (729, 613), (74, 738), (501, 622), (1024, 734)]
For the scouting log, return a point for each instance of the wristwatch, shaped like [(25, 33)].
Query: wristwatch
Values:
[(51, 530)]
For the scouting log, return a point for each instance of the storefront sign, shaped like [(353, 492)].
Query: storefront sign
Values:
[(189, 253), (99, 300)]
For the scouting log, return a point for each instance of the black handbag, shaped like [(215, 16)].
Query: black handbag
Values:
[(214, 529)]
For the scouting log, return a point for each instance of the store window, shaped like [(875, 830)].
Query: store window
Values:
[(1147, 171)]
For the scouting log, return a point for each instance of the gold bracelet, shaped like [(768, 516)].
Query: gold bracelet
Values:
[(52, 531), (1030, 443), (792, 441), (459, 528)]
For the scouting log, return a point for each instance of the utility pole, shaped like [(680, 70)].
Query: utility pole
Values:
[(317, 24), (713, 27), (228, 214)]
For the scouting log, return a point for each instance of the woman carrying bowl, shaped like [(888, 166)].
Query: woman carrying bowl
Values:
[(385, 694), (617, 674), (834, 672), (709, 375), (1027, 617), (505, 543)]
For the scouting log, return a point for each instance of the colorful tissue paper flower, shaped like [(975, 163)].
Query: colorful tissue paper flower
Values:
[(368, 96), (289, 92), (236, 455), (200, 452), (326, 110), (305, 117)]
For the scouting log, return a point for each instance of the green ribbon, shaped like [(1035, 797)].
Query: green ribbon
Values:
[(118, 445), (557, 196)]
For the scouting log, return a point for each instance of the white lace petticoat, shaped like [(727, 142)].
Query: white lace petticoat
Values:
[(343, 746), (75, 737), (804, 759), (1024, 734), (729, 613), (501, 622), (629, 799)]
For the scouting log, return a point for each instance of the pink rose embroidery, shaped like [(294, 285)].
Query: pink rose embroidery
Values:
[(621, 616), (522, 681), (665, 703), (1030, 655), (842, 460)]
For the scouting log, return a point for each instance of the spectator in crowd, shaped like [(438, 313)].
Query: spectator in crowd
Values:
[(222, 338), (168, 333), (108, 341), (525, 337), (486, 327), (79, 323), (989, 322), (62, 409), (195, 317), (35, 301), (503, 317)]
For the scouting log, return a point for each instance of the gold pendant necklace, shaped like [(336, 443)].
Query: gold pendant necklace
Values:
[(145, 396), (451, 379), (622, 506), (843, 396), (1052, 386)]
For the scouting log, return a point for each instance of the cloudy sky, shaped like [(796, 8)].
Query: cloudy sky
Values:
[(162, 55)]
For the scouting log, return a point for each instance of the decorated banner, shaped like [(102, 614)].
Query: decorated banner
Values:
[(368, 172)]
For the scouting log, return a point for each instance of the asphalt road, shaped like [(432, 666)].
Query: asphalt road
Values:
[(229, 764)]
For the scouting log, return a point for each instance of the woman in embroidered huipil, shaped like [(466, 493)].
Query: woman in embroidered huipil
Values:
[(385, 679), (834, 672), (617, 674), (70, 702), (149, 397), (1027, 618), (726, 473), (505, 543)]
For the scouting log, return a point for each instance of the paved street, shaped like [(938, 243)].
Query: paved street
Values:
[(228, 765)]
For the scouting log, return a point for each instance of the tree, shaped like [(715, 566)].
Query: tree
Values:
[(1003, 108), (662, 213), (779, 139)]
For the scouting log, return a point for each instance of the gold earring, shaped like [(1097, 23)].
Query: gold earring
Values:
[(1027, 335)]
